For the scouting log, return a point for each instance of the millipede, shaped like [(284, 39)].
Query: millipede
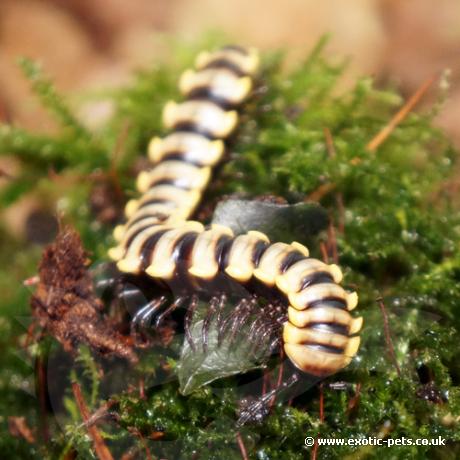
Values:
[(318, 334)]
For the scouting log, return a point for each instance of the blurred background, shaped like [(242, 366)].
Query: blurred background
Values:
[(90, 45), (87, 44)]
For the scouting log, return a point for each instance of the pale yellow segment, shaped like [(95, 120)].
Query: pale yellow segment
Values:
[(153, 211), (203, 258), (246, 63), (269, 265), (221, 82), (118, 232), (162, 264), (268, 268), (291, 280), (206, 115), (240, 265), (195, 148), (180, 198), (116, 253), (356, 325), (325, 314), (296, 335), (300, 248), (131, 261), (302, 299), (132, 209), (183, 174), (123, 233), (316, 362), (352, 300), (353, 346)]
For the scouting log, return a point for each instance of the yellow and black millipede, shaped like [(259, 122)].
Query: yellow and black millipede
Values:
[(319, 335)]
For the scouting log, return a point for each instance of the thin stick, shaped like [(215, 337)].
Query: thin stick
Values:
[(324, 254), (321, 403), (101, 449), (42, 384), (353, 402), (400, 115), (332, 244), (389, 342), (318, 194), (314, 452), (244, 453), (341, 212), (278, 384), (329, 143)]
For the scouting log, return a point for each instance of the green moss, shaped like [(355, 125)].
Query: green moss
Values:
[(400, 241)]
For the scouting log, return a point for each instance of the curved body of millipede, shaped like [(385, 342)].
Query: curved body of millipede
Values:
[(319, 335)]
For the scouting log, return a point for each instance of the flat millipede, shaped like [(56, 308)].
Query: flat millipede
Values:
[(320, 335)]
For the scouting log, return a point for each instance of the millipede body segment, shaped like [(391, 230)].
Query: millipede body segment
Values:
[(320, 335)]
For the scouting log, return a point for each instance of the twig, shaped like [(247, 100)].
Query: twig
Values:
[(101, 449), (278, 384), (319, 193), (321, 403), (18, 428), (389, 342), (332, 244), (314, 452), (353, 402), (141, 388), (341, 213), (329, 143), (324, 254), (400, 115), (243, 451), (338, 196), (41, 374)]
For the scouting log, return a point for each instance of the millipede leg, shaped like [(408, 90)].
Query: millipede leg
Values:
[(246, 307), (273, 344), (259, 409), (220, 309), (223, 327), (272, 328), (213, 305), (143, 316), (188, 321), (252, 330), (176, 304)]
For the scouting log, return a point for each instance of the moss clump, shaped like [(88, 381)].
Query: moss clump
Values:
[(395, 230)]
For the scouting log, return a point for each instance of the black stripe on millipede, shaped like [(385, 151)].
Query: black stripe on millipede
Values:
[(237, 48), (183, 248), (204, 93), (326, 348), (156, 215), (148, 247), (222, 251), (316, 278), (169, 181), (290, 259), (258, 251), (153, 201), (330, 327), (333, 302), (190, 127), (141, 229), (176, 155), (225, 64)]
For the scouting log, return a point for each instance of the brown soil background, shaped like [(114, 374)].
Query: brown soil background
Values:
[(95, 43)]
